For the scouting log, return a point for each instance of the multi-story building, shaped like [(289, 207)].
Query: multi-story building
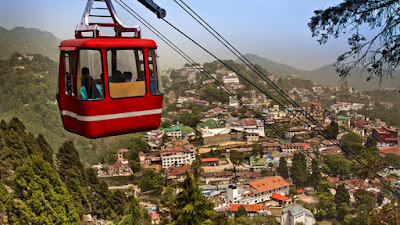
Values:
[(295, 214), (258, 191), (178, 156), (385, 136)]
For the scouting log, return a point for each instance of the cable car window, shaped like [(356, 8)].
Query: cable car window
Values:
[(126, 74), (89, 81), (69, 63), (155, 79)]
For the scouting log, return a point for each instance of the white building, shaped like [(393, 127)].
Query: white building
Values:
[(230, 79), (297, 214), (253, 126), (177, 157), (211, 128)]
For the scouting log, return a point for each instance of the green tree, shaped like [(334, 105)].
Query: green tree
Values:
[(5, 198), (241, 212), (333, 128), (196, 167), (365, 198), (193, 207), (316, 176), (342, 211), (353, 142), (298, 171), (257, 149), (282, 169), (293, 191), (133, 213), (236, 157), (152, 181), (392, 159), (326, 208), (337, 165), (378, 53), (342, 195), (40, 195)]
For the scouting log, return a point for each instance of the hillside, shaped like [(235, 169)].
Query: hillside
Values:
[(28, 41), (325, 75)]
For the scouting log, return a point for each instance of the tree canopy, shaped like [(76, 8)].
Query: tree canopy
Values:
[(379, 53)]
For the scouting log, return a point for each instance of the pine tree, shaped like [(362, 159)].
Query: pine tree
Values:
[(298, 171), (283, 170), (316, 175), (342, 195), (40, 196), (193, 206), (133, 213)]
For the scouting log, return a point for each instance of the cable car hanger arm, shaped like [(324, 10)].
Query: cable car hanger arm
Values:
[(86, 26)]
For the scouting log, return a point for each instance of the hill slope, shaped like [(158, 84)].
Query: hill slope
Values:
[(28, 41), (325, 75)]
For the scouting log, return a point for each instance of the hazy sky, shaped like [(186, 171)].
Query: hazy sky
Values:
[(274, 29)]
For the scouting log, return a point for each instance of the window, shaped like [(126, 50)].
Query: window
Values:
[(126, 73), (69, 70), (89, 79), (155, 79)]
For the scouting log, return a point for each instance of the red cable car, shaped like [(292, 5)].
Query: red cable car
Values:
[(108, 85)]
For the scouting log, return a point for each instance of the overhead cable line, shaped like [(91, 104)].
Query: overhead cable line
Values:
[(256, 114), (297, 107)]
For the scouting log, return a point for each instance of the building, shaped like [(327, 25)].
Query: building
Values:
[(251, 210), (258, 191), (178, 156), (385, 136), (175, 174), (297, 214), (119, 169), (175, 131), (210, 162), (250, 125)]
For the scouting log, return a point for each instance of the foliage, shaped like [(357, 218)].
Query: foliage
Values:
[(326, 208), (389, 214), (342, 195), (337, 165), (4, 197), (236, 157), (365, 198), (333, 129), (298, 171), (293, 191), (133, 213), (40, 196), (283, 170), (316, 176), (152, 181), (391, 116), (257, 149), (392, 159), (241, 212), (194, 208), (378, 54)]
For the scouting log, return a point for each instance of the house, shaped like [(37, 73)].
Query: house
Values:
[(251, 210), (178, 156), (250, 125), (258, 191), (175, 174), (155, 217), (119, 169), (294, 214), (210, 162), (223, 177), (175, 131), (385, 136), (271, 146), (384, 150)]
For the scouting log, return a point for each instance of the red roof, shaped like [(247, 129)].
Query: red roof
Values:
[(389, 149), (210, 160), (249, 208), (177, 170), (269, 184), (315, 103), (279, 197), (124, 151), (248, 122)]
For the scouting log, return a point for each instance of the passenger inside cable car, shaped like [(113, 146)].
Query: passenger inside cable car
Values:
[(90, 81)]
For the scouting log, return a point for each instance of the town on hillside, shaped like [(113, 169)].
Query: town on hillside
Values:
[(276, 166)]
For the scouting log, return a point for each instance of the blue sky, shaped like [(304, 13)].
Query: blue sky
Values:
[(274, 29)]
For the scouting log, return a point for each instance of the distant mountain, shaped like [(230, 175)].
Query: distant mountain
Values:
[(28, 41), (325, 75)]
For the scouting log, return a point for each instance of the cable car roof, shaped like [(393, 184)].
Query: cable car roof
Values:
[(107, 42)]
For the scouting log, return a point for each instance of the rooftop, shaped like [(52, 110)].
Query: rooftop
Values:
[(269, 184)]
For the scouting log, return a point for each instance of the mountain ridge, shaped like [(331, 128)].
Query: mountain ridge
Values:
[(324, 75)]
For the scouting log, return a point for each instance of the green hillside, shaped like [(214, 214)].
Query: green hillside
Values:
[(28, 41)]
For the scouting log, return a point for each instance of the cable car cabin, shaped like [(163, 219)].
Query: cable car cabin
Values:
[(109, 86)]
